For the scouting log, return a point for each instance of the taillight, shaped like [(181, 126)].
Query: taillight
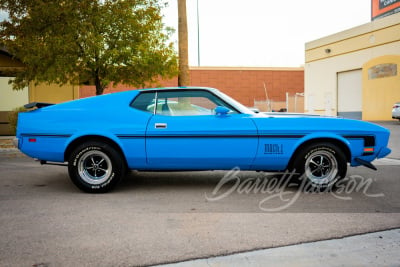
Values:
[(396, 106)]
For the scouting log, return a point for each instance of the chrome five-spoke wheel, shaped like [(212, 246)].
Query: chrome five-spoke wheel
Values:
[(94, 167), (321, 167)]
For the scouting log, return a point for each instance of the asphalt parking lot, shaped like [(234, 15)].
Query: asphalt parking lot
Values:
[(155, 218)]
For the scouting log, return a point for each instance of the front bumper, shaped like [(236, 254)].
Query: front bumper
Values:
[(384, 152)]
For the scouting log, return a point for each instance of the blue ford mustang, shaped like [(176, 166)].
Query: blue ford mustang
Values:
[(168, 129)]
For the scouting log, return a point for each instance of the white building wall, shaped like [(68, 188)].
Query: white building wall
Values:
[(321, 75)]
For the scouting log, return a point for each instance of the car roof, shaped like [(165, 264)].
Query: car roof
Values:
[(183, 88)]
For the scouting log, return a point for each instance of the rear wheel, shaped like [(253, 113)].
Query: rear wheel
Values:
[(322, 165), (95, 167)]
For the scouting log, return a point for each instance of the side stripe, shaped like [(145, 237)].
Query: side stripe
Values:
[(127, 136), (46, 135)]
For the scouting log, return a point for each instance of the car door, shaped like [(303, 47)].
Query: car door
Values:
[(185, 134)]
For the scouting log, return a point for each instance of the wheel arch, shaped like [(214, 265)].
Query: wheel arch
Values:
[(97, 138), (337, 142)]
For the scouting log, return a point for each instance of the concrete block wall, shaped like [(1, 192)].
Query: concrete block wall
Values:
[(243, 84)]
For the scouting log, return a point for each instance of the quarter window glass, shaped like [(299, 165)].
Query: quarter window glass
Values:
[(144, 101)]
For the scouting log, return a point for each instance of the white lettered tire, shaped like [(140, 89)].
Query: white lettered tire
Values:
[(95, 167)]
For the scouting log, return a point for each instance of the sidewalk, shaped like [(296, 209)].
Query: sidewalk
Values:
[(374, 249)]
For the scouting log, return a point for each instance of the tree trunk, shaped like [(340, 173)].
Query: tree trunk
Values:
[(183, 76), (99, 86)]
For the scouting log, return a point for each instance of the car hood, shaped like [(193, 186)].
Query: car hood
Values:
[(307, 123)]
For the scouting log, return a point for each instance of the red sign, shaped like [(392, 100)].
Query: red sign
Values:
[(383, 8)]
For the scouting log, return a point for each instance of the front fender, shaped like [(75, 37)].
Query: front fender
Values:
[(345, 144)]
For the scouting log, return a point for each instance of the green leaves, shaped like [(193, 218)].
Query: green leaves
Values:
[(81, 41)]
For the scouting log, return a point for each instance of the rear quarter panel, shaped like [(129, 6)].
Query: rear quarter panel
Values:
[(54, 128)]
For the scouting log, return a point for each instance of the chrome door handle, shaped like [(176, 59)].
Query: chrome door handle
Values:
[(160, 126)]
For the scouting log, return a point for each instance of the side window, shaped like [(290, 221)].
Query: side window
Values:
[(188, 103), (145, 102), (179, 103)]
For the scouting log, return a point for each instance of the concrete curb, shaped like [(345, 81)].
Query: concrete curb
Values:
[(373, 249)]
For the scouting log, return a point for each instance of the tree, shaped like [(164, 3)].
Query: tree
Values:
[(183, 77), (88, 41)]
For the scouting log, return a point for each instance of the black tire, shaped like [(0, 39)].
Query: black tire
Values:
[(320, 166), (96, 167)]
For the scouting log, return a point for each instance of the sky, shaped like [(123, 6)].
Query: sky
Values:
[(262, 33)]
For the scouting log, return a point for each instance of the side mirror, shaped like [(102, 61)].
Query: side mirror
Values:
[(221, 111), (255, 110)]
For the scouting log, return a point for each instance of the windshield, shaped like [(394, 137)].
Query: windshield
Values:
[(233, 102)]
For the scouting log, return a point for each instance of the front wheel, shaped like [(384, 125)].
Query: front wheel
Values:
[(95, 167), (321, 165)]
